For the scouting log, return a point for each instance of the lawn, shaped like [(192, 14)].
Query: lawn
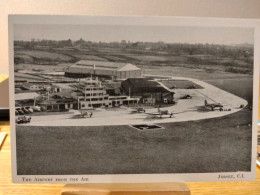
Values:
[(242, 87), (204, 146)]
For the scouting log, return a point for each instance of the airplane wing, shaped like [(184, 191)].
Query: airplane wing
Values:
[(155, 114)]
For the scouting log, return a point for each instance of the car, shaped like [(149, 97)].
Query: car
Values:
[(186, 97), (29, 108), (19, 110), (23, 119), (26, 111), (36, 108)]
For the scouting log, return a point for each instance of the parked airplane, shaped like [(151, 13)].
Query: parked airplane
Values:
[(138, 109), (161, 113), (213, 105), (84, 114)]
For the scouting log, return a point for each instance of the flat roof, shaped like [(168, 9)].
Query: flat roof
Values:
[(25, 96)]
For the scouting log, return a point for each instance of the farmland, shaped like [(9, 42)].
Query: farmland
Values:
[(235, 59), (41, 56)]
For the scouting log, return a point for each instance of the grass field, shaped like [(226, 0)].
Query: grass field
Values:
[(213, 145), (45, 54), (138, 57), (43, 68), (242, 87)]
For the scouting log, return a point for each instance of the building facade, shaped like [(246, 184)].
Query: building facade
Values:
[(150, 91), (91, 94), (114, 70)]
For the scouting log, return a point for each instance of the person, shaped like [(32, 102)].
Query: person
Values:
[(90, 114)]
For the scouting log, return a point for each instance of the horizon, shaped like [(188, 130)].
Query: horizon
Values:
[(231, 44), (116, 33)]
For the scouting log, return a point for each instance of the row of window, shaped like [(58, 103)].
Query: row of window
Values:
[(93, 99), (118, 98), (94, 94), (94, 105), (94, 89)]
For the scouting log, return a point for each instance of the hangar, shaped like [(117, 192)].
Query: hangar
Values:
[(114, 70), (151, 91)]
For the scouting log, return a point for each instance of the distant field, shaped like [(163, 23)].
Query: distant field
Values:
[(135, 56), (22, 76), (203, 146), (26, 58), (45, 55), (150, 58), (89, 57), (64, 49), (47, 68)]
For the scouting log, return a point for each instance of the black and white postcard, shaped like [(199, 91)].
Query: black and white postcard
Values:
[(102, 99)]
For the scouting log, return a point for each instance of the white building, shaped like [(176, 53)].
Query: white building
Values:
[(91, 94), (85, 68)]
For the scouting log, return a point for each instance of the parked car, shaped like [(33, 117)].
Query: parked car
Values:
[(23, 119), (36, 108), (26, 111), (29, 108), (186, 97), (19, 110)]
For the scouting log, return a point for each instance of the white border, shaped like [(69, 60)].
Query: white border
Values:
[(136, 20)]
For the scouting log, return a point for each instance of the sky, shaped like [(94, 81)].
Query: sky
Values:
[(111, 33)]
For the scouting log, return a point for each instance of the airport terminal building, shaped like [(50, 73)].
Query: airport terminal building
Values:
[(113, 70)]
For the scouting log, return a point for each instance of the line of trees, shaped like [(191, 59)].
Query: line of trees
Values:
[(170, 48)]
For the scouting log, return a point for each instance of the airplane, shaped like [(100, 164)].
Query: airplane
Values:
[(213, 105), (139, 109), (84, 114), (162, 112)]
